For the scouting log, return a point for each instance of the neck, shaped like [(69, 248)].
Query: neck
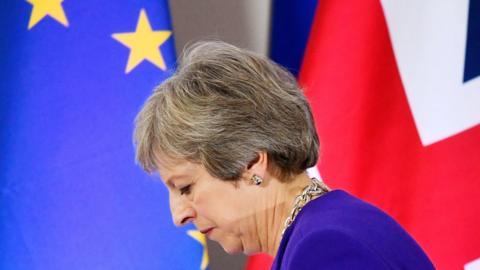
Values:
[(284, 195)]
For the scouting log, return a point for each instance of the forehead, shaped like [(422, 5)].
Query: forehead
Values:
[(171, 168)]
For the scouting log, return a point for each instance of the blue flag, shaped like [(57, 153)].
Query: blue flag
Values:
[(291, 23), (73, 76)]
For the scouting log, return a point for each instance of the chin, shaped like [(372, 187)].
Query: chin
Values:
[(232, 250), (230, 243), (240, 248), (232, 247)]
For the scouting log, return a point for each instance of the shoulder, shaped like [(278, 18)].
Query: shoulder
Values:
[(349, 233), (340, 210)]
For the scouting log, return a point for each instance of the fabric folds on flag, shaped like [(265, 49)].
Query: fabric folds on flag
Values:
[(73, 76), (398, 124)]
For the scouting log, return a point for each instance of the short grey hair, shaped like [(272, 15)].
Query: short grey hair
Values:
[(223, 106)]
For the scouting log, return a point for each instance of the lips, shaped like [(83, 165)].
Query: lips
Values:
[(206, 231)]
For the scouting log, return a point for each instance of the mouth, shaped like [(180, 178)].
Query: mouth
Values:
[(207, 231)]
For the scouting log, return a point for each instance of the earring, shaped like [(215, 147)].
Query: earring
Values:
[(257, 180)]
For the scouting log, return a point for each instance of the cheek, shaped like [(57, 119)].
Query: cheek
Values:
[(221, 208), (214, 210)]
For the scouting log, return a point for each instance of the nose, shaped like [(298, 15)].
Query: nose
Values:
[(182, 211)]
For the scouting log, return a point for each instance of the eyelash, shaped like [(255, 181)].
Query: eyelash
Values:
[(185, 190)]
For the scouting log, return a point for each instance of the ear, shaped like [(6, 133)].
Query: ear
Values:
[(258, 166)]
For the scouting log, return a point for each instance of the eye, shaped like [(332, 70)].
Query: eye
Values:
[(185, 190)]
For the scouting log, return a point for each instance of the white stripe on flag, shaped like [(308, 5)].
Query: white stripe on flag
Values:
[(473, 265)]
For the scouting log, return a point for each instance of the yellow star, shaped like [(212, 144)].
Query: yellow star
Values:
[(42, 8), (143, 43), (200, 237)]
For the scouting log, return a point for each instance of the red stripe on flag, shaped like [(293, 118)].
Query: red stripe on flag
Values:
[(259, 262)]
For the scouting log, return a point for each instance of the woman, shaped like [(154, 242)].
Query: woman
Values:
[(231, 135)]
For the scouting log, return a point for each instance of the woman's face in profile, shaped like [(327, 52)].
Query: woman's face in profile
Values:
[(225, 211)]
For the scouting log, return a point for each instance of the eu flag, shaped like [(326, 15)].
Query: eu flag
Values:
[(73, 76)]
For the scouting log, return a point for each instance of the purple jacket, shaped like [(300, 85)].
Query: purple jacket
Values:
[(338, 231)]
